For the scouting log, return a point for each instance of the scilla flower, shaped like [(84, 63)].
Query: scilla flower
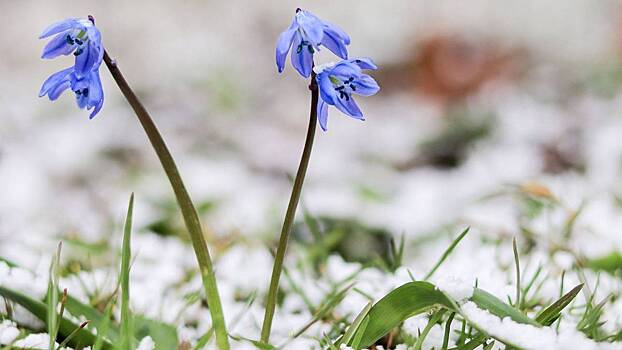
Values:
[(87, 88), (338, 82), (305, 36), (77, 36)]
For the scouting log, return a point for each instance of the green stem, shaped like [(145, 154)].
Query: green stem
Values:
[(290, 214), (191, 218)]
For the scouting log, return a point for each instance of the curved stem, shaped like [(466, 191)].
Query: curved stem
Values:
[(191, 218), (290, 214)]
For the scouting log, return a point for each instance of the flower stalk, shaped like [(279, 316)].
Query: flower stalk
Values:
[(290, 214), (191, 218)]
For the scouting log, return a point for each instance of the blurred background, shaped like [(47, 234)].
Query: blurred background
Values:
[(479, 101)]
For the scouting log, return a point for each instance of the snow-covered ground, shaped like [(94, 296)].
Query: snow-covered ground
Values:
[(544, 165)]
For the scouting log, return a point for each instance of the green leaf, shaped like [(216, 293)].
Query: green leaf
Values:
[(347, 336), (551, 313), (98, 320), (447, 252), (403, 302), (610, 263), (258, 344), (164, 335), (495, 306), (83, 337), (52, 298), (124, 277)]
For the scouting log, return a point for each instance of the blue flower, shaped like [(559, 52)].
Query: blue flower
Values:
[(87, 88), (77, 36), (337, 83), (306, 34)]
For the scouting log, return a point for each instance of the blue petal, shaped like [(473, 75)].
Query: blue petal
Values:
[(58, 27), (345, 69), (322, 114), (87, 60), (337, 32), (349, 107), (81, 101), (334, 44), (54, 80), (96, 94), (311, 27), (303, 61), (366, 85), (57, 46), (365, 63), (282, 47), (57, 90), (95, 40), (327, 90)]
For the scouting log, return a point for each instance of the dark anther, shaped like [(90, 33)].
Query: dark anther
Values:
[(311, 49), (340, 88), (69, 40), (78, 92), (79, 42), (299, 49), (85, 91), (353, 87), (78, 52), (298, 10)]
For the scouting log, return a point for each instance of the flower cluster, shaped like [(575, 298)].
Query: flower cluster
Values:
[(336, 81), (81, 38)]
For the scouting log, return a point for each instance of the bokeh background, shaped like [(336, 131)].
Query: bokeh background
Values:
[(479, 98)]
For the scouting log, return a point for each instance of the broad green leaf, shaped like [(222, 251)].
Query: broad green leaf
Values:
[(551, 313), (164, 335), (610, 263), (66, 327), (98, 320), (347, 336), (403, 302), (495, 306)]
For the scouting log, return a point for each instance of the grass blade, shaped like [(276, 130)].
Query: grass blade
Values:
[(551, 313), (52, 298), (127, 334), (447, 252), (495, 306)]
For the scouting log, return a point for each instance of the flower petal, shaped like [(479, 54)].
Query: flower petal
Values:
[(365, 63), (334, 44), (322, 114), (349, 107), (303, 60), (96, 94), (337, 32), (311, 27), (57, 90), (54, 80), (57, 46), (327, 90), (283, 45), (87, 60), (58, 27), (366, 85)]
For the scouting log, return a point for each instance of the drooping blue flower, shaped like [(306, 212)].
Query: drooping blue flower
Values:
[(77, 36), (305, 36), (337, 83), (87, 88)]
